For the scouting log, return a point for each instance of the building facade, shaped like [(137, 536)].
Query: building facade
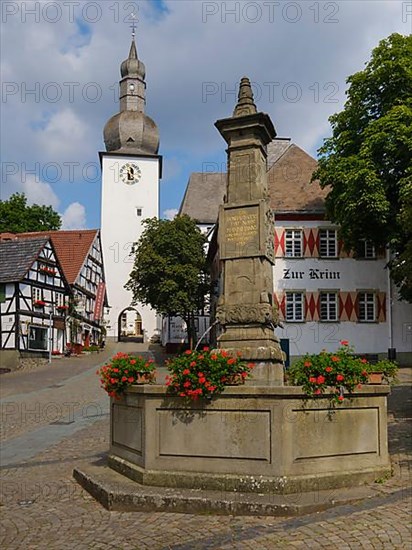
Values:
[(79, 253), (34, 298), (324, 293), (131, 170)]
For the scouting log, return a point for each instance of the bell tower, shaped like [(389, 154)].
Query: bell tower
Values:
[(131, 170)]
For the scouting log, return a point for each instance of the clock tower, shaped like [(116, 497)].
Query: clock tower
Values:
[(131, 169)]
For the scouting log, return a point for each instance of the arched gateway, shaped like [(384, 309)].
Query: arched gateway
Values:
[(129, 326)]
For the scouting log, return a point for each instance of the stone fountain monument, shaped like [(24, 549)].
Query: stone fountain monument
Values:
[(243, 450), (246, 243)]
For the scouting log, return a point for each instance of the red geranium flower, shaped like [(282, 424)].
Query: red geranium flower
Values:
[(340, 377), (320, 379), (334, 358), (307, 364), (186, 372), (328, 369), (188, 351), (344, 342), (312, 379)]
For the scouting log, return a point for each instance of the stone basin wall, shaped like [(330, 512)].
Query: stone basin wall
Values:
[(258, 439)]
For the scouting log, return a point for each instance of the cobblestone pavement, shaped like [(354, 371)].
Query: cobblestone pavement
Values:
[(43, 508)]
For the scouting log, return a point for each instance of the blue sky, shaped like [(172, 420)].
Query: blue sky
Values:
[(60, 68)]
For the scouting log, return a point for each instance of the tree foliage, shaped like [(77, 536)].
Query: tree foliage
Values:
[(170, 272), (367, 163), (16, 216)]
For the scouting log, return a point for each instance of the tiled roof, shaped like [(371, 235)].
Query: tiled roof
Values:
[(16, 257), (204, 193), (289, 186), (290, 190), (71, 248)]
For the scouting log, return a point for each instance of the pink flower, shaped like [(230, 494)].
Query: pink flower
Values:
[(320, 379), (186, 371), (312, 380)]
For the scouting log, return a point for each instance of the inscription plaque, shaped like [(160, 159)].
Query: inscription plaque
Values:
[(241, 235)]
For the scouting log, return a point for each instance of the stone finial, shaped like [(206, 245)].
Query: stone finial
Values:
[(245, 104)]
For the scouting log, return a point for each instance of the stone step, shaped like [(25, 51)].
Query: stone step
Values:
[(118, 493)]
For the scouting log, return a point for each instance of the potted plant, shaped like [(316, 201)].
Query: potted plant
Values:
[(39, 303), (384, 371), (62, 308), (333, 373), (123, 371), (205, 373)]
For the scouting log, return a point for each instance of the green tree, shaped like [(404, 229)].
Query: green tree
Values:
[(17, 217), (367, 163), (170, 272)]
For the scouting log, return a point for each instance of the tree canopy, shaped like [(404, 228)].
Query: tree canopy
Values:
[(170, 272), (16, 216), (367, 163)]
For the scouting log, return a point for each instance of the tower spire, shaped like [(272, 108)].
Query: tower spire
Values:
[(245, 104)]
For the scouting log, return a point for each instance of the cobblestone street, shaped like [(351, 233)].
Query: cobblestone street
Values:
[(57, 418)]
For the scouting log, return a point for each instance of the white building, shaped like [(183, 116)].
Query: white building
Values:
[(324, 294), (131, 169)]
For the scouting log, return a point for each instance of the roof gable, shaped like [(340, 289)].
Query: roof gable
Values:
[(289, 185), (17, 256), (71, 247)]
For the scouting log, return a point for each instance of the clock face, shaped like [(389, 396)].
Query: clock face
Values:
[(130, 173)]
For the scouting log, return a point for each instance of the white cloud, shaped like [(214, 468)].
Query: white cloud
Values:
[(170, 213), (74, 217), (36, 191)]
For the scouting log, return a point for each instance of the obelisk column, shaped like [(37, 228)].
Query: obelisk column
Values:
[(245, 309)]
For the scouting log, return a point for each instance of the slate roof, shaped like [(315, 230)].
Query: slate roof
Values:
[(71, 247), (204, 193), (17, 256), (290, 190), (289, 185)]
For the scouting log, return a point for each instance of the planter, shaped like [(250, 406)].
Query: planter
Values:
[(235, 380), (375, 378), (144, 378)]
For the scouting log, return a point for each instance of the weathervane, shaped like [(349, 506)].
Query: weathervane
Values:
[(133, 25)]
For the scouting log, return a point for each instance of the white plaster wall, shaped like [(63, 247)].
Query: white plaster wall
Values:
[(120, 227), (351, 275), (402, 325)]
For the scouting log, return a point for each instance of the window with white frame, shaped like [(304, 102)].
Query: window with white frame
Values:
[(37, 294), (293, 243), (368, 249), (329, 306), (328, 243), (295, 306), (367, 307)]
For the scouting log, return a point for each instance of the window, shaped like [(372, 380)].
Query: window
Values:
[(367, 250), (37, 294), (139, 211), (2, 293), (367, 307), (328, 306), (294, 306), (37, 338), (328, 247), (293, 243)]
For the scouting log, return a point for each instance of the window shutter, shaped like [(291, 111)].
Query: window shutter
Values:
[(381, 306), (279, 242), (312, 306)]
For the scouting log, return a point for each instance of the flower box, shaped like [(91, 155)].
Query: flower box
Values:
[(375, 378), (62, 308), (39, 303), (48, 271)]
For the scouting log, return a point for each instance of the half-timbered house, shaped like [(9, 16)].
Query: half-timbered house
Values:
[(80, 255), (33, 297)]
